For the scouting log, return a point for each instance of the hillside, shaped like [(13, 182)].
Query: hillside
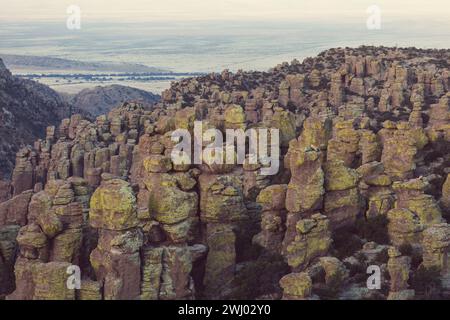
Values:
[(26, 107), (101, 99)]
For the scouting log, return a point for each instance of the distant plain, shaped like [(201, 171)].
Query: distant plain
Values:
[(197, 46)]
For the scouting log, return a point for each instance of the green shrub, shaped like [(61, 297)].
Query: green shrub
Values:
[(407, 249), (331, 290), (345, 243), (374, 229), (427, 282), (260, 277), (382, 257)]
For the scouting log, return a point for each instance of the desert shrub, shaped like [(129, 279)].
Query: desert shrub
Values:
[(361, 258), (374, 229), (427, 282), (331, 290), (382, 257), (260, 277), (345, 243), (407, 249)]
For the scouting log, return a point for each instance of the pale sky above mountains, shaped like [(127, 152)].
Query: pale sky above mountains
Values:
[(150, 10)]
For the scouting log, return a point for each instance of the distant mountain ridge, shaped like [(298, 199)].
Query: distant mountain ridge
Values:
[(41, 62)]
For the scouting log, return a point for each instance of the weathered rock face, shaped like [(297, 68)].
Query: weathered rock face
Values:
[(342, 203), (445, 199), (335, 271), (116, 260), (8, 246), (273, 218), (436, 246), (375, 188), (404, 227), (49, 242), (364, 140), (399, 268), (113, 206), (5, 191), (296, 286), (411, 196), (15, 210), (312, 240)]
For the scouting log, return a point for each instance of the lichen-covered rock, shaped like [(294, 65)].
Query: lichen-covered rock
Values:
[(151, 273), (66, 246), (408, 294), (169, 204), (176, 281), (339, 177), (399, 152), (119, 273), (5, 190), (404, 227), (296, 286), (157, 163), (31, 236), (90, 290), (221, 260), (342, 202), (436, 247), (305, 190), (273, 218), (311, 241), (50, 224), (342, 207), (345, 143), (113, 206), (22, 177), (399, 268), (8, 247), (15, 210), (411, 195), (373, 139), (221, 198), (335, 271), (284, 121), (445, 200), (23, 271), (234, 117)]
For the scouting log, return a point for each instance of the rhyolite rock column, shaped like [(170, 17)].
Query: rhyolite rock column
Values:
[(273, 218), (49, 243), (296, 286), (436, 250), (116, 259), (399, 268)]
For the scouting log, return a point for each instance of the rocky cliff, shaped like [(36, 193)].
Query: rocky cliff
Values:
[(363, 185)]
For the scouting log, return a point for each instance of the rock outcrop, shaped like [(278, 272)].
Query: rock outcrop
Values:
[(363, 167)]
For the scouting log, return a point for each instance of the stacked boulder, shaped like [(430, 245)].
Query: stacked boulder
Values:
[(116, 259), (49, 243), (399, 269)]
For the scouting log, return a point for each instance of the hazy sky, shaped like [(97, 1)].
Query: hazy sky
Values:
[(148, 10)]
